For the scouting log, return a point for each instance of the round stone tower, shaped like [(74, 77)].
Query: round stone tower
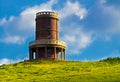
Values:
[(47, 44)]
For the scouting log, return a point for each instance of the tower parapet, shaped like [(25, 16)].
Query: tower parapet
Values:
[(47, 14)]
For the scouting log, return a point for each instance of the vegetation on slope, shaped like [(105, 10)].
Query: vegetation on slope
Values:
[(62, 71)]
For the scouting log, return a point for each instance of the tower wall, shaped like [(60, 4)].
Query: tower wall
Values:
[(46, 25)]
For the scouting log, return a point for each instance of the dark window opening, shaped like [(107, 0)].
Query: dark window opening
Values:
[(49, 36), (49, 52)]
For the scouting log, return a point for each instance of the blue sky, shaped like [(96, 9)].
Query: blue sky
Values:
[(91, 28)]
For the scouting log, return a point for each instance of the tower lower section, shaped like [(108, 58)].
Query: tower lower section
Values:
[(47, 49)]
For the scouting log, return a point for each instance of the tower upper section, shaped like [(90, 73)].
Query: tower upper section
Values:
[(47, 26)]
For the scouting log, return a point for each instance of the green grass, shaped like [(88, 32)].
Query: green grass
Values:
[(62, 71)]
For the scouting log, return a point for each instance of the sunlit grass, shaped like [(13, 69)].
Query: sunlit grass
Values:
[(62, 71)]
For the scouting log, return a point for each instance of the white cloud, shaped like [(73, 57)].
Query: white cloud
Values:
[(115, 15), (5, 61), (112, 24), (10, 61), (26, 20), (4, 21), (77, 39), (73, 8), (104, 19), (73, 34), (12, 40)]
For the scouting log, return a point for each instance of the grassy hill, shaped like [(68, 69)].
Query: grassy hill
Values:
[(62, 71)]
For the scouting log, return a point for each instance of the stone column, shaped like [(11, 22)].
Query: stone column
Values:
[(55, 52), (61, 54), (31, 54), (64, 54), (37, 57), (45, 52)]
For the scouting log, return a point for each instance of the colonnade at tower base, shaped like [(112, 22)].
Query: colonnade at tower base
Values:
[(54, 53)]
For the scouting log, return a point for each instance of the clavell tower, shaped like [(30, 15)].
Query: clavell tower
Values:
[(47, 44)]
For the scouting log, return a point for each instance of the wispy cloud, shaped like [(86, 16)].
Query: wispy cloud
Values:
[(77, 38), (12, 40), (4, 21), (5, 61), (103, 18), (28, 15), (9, 61), (73, 33), (73, 9)]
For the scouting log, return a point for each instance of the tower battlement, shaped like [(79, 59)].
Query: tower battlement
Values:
[(47, 14)]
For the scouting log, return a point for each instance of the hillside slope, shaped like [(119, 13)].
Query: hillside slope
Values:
[(61, 71)]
